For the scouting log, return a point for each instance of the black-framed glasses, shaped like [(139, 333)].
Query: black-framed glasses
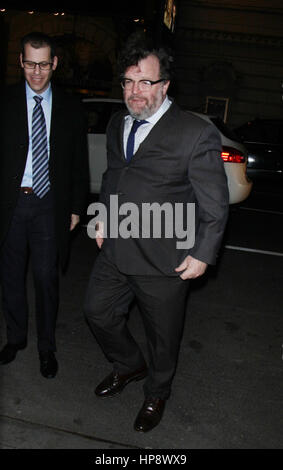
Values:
[(144, 85), (29, 64)]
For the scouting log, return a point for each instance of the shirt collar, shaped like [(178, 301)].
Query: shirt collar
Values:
[(157, 115), (46, 95), (163, 108)]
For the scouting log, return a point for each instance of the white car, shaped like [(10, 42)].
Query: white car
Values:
[(234, 154), (235, 157)]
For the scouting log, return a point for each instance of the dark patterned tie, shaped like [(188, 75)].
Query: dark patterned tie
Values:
[(131, 138), (40, 164)]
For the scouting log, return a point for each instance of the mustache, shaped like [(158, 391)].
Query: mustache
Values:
[(135, 97)]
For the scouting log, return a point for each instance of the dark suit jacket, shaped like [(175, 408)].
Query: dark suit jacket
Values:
[(68, 164), (178, 162)]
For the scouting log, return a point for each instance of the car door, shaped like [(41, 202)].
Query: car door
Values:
[(262, 138), (98, 113)]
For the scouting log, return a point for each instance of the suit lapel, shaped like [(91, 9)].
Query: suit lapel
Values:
[(120, 136), (20, 125), (155, 133), (18, 128), (57, 122)]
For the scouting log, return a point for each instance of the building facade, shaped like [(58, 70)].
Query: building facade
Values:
[(230, 58), (229, 53)]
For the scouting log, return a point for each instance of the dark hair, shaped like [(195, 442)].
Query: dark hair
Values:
[(139, 46), (38, 40)]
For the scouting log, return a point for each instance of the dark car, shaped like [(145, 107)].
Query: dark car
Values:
[(263, 139)]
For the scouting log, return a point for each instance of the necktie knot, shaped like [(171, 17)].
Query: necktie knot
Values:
[(137, 124), (38, 99)]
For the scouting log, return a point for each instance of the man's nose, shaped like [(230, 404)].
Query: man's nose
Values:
[(136, 87), (37, 68)]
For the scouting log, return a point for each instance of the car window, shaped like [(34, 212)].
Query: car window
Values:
[(263, 131), (98, 115), (273, 131)]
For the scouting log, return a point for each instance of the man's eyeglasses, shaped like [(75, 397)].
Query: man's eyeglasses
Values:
[(28, 64), (144, 85)]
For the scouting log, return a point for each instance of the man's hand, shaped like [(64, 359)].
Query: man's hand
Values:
[(191, 268), (99, 234), (75, 219)]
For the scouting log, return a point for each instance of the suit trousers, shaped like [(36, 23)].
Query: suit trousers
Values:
[(31, 232), (161, 301)]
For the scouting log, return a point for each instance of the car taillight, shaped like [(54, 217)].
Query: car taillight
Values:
[(232, 155)]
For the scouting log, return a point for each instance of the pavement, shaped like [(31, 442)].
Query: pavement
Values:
[(227, 392)]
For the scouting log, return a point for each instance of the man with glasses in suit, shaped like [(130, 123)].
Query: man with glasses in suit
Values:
[(44, 180), (157, 153)]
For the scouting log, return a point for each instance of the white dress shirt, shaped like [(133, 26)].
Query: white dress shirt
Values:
[(145, 129), (46, 106)]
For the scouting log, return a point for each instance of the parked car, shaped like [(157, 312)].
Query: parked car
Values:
[(99, 111), (263, 139), (235, 156)]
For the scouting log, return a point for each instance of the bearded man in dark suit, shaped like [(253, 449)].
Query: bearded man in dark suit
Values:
[(173, 159), (41, 201)]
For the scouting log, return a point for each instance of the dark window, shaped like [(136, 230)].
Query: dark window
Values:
[(250, 132), (272, 131), (224, 129), (98, 115), (263, 131)]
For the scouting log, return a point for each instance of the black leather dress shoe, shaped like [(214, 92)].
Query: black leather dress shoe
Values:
[(9, 352), (48, 364), (115, 383), (150, 414)]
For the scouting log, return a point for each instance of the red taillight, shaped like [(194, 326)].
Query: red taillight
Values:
[(232, 155)]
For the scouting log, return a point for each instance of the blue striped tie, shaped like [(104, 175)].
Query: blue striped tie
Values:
[(131, 138), (40, 164)]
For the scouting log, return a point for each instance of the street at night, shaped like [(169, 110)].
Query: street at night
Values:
[(145, 123), (228, 387)]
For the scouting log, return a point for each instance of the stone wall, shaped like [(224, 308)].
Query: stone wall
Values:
[(231, 49)]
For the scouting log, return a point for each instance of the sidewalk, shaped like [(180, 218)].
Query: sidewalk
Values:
[(227, 392)]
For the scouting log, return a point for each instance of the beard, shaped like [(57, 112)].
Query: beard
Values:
[(139, 115), (147, 109)]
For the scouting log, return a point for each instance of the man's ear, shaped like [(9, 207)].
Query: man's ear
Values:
[(21, 60), (55, 62), (166, 86)]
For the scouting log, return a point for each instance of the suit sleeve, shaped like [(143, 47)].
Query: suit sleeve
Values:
[(112, 127), (208, 178)]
